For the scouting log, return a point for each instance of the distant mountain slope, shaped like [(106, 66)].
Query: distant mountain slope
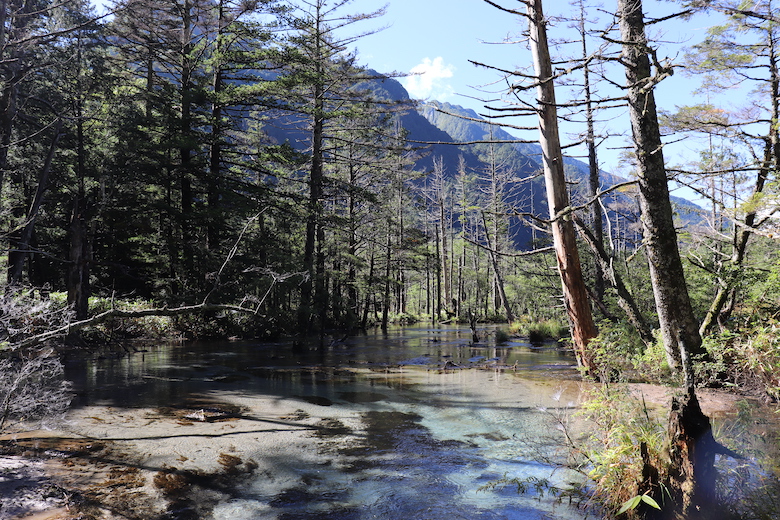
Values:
[(464, 125), (444, 123)]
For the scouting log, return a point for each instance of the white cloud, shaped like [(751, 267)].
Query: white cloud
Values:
[(428, 79)]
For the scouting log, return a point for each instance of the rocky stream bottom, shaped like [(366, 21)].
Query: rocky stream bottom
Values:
[(230, 454)]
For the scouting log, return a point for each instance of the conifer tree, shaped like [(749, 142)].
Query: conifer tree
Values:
[(319, 73), (740, 55)]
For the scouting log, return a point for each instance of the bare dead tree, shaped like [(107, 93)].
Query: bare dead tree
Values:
[(564, 239), (33, 391)]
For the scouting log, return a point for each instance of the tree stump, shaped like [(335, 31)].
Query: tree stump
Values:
[(692, 450)]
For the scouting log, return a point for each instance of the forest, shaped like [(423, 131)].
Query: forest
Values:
[(228, 169)]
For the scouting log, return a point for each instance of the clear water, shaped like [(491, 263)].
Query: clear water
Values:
[(431, 438)]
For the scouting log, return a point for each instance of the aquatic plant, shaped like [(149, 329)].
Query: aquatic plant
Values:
[(538, 330), (502, 336)]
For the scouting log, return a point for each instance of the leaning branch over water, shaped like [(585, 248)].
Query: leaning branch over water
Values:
[(121, 313)]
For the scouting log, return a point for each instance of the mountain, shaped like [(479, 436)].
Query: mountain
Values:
[(444, 125), (465, 125)]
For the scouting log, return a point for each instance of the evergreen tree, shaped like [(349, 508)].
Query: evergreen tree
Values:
[(319, 72), (743, 157)]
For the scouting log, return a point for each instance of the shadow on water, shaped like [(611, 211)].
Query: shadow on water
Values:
[(431, 435)]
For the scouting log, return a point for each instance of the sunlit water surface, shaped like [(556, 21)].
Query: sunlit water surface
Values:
[(442, 419)]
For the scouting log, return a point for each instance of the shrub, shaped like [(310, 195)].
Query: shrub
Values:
[(502, 336), (748, 358), (145, 327), (614, 350), (651, 365), (622, 425), (32, 391), (538, 331)]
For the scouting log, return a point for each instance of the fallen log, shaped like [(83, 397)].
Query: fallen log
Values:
[(69, 328)]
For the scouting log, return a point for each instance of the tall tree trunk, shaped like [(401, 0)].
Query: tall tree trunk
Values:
[(310, 289), (388, 263), (575, 295), (79, 258), (369, 290), (352, 248), (215, 152), (675, 313), (80, 247), (445, 262), (594, 180), (20, 245), (499, 280), (16, 20), (185, 150), (439, 306)]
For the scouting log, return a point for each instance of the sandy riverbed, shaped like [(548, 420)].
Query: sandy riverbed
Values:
[(112, 463)]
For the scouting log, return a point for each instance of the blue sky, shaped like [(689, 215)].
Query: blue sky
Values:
[(439, 37)]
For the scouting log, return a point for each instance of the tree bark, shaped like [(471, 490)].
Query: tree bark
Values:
[(666, 271), (445, 259), (594, 179), (20, 246), (186, 150), (217, 136), (80, 258), (692, 457), (625, 299), (499, 280), (574, 292), (388, 263)]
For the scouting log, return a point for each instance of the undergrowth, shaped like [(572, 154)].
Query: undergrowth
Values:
[(538, 330), (748, 358), (622, 425)]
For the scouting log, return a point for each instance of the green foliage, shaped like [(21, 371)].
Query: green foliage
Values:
[(619, 354), (622, 423), (748, 358), (615, 350), (633, 503), (538, 330), (761, 287), (502, 336), (146, 327), (404, 319), (652, 365)]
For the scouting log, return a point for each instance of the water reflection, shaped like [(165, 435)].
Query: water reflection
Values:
[(440, 417)]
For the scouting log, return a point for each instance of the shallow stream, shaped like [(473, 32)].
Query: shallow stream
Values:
[(412, 424)]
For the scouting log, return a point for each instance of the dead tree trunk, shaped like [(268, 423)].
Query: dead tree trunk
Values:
[(692, 448), (574, 292), (497, 271), (692, 457)]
